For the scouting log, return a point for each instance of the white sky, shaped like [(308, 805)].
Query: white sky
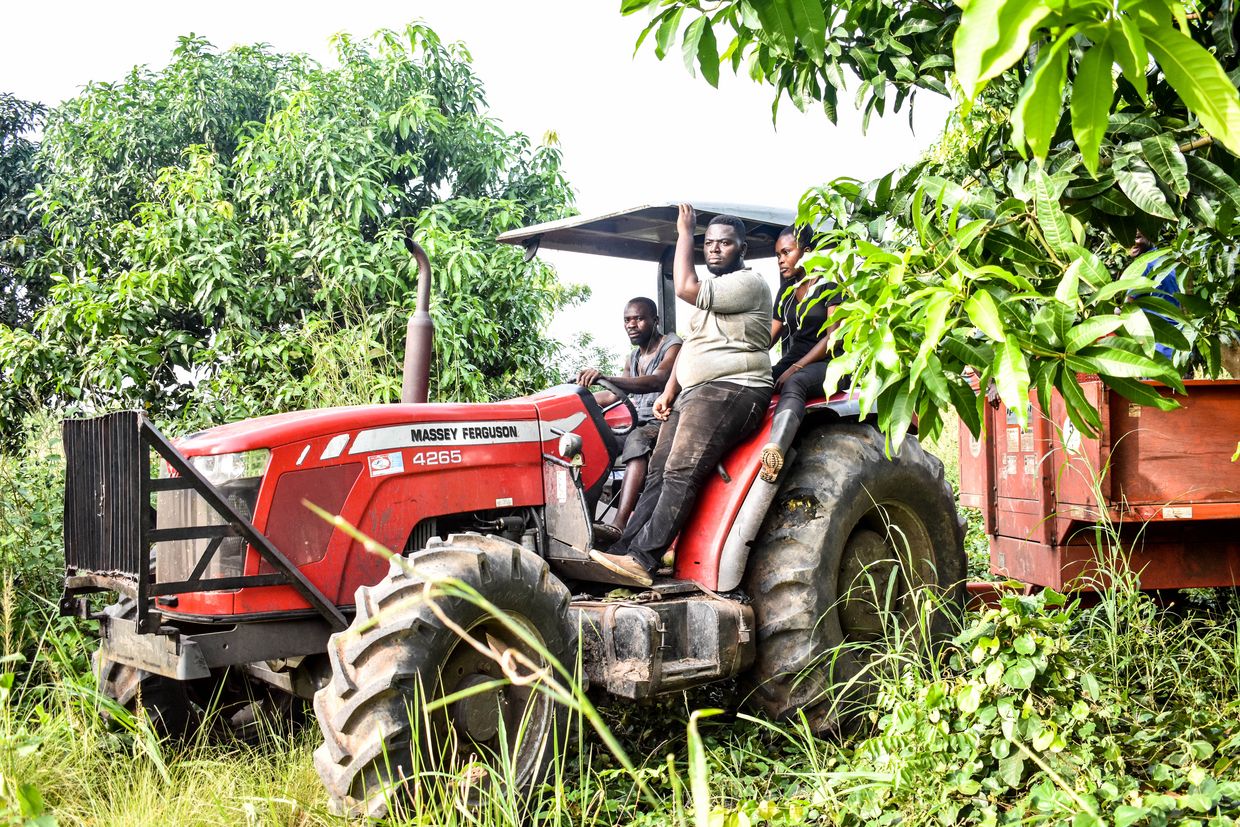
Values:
[(633, 129)]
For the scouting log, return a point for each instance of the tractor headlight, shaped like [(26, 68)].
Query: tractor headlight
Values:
[(222, 468), (237, 477)]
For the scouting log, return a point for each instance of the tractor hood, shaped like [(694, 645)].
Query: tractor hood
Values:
[(282, 429)]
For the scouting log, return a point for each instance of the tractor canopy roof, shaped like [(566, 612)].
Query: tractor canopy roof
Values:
[(648, 232)]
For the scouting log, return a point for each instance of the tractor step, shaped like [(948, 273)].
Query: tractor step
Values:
[(641, 649)]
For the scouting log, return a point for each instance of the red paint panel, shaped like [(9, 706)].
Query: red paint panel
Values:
[(1182, 456), (299, 534)]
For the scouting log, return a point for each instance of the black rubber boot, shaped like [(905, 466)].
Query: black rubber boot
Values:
[(784, 427)]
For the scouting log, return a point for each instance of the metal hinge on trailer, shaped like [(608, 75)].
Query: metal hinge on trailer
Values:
[(110, 525)]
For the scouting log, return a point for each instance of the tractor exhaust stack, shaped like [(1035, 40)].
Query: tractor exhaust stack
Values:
[(420, 335)]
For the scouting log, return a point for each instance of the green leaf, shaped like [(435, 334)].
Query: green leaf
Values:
[(1012, 247), (993, 35), (811, 26), (1068, 289), (666, 31), (1141, 393), (1044, 381), (1012, 770), (1092, 92), (1090, 331), (1089, 267), (630, 6), (1012, 377), (1112, 203), (1200, 81), (1050, 215), (1137, 324), (966, 402), (1112, 361), (1052, 322), (1126, 815), (708, 55), (689, 45), (777, 23), (1140, 185), (1083, 414), (1165, 158), (1037, 110), (1121, 285), (1205, 175), (984, 314), (1130, 52)]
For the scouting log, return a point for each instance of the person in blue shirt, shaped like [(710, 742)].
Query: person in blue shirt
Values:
[(1167, 287)]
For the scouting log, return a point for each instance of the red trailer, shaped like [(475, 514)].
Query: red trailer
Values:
[(1165, 480)]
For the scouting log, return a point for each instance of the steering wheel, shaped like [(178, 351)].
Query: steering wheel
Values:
[(622, 398)]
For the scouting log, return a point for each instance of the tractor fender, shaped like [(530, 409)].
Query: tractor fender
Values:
[(735, 554)]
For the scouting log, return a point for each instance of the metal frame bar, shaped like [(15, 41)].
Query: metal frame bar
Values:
[(110, 525), (237, 524)]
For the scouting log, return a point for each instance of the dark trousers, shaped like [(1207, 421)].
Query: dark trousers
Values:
[(802, 385), (707, 420)]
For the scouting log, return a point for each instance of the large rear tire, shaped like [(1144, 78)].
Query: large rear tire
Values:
[(858, 550), (377, 733)]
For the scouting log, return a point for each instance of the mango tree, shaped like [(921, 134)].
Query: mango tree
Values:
[(1001, 254)]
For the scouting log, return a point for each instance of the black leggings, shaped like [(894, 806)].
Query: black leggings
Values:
[(802, 385)]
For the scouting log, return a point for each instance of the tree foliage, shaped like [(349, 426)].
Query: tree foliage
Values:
[(20, 292), (1000, 254), (215, 226)]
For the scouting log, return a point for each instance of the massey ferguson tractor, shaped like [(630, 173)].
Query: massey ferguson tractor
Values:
[(235, 596)]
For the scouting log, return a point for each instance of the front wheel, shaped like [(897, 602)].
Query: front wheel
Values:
[(861, 555), (382, 727)]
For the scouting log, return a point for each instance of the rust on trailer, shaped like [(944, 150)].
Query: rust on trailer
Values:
[(1163, 481)]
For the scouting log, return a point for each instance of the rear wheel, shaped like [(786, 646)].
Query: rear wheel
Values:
[(859, 553), (378, 733)]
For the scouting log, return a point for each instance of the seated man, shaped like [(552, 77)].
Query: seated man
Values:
[(644, 376), (717, 394)]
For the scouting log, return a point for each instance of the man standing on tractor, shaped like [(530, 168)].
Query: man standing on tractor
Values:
[(716, 396), (645, 375)]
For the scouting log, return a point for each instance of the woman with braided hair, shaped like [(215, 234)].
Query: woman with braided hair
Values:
[(803, 306)]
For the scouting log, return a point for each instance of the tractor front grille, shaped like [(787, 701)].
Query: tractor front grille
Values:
[(176, 560)]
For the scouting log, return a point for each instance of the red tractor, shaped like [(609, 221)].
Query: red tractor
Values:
[(230, 584)]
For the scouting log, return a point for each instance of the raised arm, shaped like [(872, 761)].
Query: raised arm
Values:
[(684, 274)]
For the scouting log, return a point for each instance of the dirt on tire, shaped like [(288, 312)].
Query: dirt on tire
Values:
[(854, 546), (399, 651)]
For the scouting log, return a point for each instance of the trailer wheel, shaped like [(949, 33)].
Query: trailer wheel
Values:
[(378, 734), (858, 550), (165, 701)]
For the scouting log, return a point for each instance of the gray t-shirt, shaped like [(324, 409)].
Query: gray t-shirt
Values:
[(644, 402), (729, 333)]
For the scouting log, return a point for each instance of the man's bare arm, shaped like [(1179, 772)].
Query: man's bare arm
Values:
[(651, 383), (684, 274)]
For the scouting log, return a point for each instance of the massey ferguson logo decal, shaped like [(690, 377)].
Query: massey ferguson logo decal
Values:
[(462, 433), (468, 432)]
